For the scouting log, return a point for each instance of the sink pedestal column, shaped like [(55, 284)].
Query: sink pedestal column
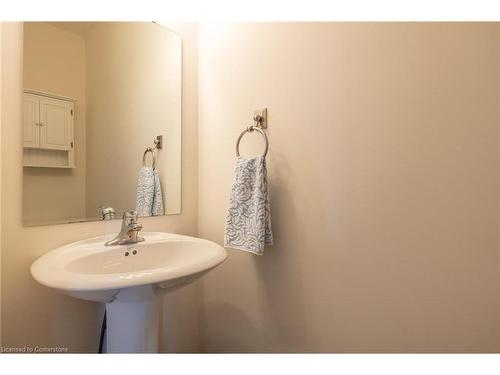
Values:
[(133, 321)]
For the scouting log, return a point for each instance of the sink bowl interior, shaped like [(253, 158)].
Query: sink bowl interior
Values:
[(137, 258)]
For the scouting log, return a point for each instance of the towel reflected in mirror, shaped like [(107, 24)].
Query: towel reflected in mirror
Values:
[(149, 200)]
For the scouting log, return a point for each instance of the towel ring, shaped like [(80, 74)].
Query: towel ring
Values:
[(250, 129), (149, 149)]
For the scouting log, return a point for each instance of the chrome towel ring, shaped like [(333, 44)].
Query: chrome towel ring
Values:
[(251, 129), (149, 149), (158, 146)]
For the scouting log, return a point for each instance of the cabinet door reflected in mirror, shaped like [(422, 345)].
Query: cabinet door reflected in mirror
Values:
[(102, 121)]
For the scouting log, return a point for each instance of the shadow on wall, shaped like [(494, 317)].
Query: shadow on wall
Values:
[(280, 273), (246, 339), (179, 331), (275, 281)]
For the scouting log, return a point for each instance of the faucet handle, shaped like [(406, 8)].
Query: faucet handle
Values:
[(130, 217)]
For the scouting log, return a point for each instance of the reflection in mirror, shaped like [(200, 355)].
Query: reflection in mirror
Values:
[(102, 121)]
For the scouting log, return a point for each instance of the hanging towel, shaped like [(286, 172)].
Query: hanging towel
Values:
[(248, 219), (149, 201)]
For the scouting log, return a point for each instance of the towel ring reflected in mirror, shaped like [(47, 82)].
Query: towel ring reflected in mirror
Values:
[(149, 149), (251, 129)]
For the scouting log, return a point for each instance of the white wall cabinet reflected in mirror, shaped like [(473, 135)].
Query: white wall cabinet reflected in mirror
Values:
[(48, 131), (96, 96)]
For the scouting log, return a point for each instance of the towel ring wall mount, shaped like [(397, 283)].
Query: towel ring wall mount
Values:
[(260, 123)]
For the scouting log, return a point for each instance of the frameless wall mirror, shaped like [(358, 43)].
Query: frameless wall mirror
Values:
[(102, 121)]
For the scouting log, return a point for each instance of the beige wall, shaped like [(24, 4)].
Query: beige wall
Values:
[(394, 127), (181, 309), (133, 95), (54, 62), (384, 186), (35, 315)]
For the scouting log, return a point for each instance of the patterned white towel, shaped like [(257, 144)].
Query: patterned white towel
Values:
[(248, 219), (149, 200)]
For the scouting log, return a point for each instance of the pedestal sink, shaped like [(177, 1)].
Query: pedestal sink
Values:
[(130, 279)]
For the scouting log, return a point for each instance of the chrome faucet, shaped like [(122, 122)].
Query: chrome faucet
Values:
[(129, 231)]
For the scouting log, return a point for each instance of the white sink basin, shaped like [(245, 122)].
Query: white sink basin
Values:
[(89, 270), (128, 278)]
